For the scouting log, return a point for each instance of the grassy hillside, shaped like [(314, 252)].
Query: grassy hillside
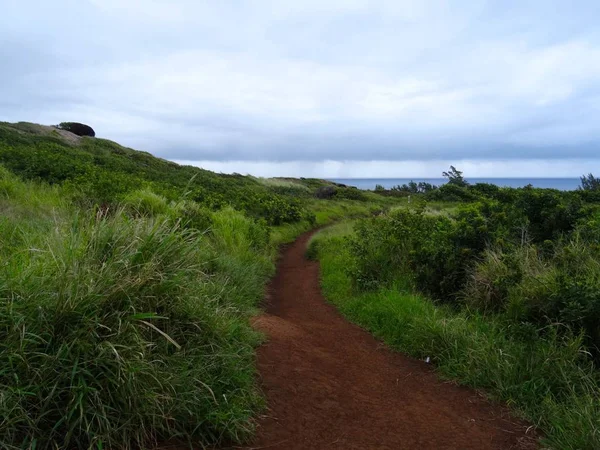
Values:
[(126, 285), (98, 171)]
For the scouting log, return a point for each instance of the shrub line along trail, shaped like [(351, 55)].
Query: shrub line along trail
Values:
[(330, 384)]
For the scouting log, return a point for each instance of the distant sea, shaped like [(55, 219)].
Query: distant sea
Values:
[(563, 184)]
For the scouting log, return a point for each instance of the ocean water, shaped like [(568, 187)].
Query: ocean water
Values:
[(563, 184)]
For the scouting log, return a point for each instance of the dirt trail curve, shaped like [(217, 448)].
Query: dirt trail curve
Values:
[(331, 385)]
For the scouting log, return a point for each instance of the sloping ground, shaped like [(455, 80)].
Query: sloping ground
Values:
[(45, 130), (329, 384)]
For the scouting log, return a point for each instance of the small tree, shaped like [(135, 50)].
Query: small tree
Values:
[(77, 128), (455, 177), (590, 183), (425, 187)]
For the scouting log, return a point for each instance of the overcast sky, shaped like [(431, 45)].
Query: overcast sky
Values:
[(317, 87)]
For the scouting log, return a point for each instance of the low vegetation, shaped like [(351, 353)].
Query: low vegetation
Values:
[(127, 283), (502, 292), (125, 326), (126, 287)]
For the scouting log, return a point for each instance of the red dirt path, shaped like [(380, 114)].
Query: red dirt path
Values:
[(331, 385)]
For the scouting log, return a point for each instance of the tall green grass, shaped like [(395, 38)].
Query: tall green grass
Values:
[(327, 211), (119, 330), (286, 185), (124, 326), (549, 381)]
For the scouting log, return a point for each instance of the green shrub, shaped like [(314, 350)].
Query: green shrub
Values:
[(452, 193), (382, 246), (436, 250), (545, 375), (548, 213), (566, 291), (193, 215), (326, 192), (350, 193), (145, 203), (490, 282), (103, 188), (560, 284)]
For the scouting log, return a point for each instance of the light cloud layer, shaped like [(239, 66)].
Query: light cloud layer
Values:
[(328, 87)]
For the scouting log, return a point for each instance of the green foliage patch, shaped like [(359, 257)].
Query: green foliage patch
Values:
[(544, 373)]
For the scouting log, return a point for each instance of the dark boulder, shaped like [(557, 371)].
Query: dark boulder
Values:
[(77, 128)]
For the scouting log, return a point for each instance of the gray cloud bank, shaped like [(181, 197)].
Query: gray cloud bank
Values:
[(338, 80)]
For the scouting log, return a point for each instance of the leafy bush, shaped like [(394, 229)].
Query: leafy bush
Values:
[(544, 374), (435, 249), (536, 259), (326, 192), (145, 203), (566, 290), (542, 286), (380, 248), (548, 213), (350, 193), (451, 192)]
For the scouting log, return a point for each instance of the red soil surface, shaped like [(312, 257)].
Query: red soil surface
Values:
[(331, 385)]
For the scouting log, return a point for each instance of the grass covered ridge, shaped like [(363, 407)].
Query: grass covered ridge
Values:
[(550, 381), (126, 287)]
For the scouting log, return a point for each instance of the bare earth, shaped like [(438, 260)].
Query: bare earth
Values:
[(331, 385)]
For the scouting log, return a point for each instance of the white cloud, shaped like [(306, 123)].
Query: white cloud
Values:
[(339, 80)]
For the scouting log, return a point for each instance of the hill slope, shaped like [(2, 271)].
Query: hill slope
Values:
[(126, 285)]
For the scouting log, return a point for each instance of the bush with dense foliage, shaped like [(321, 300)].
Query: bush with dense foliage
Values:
[(543, 372), (537, 258), (500, 288), (435, 249)]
